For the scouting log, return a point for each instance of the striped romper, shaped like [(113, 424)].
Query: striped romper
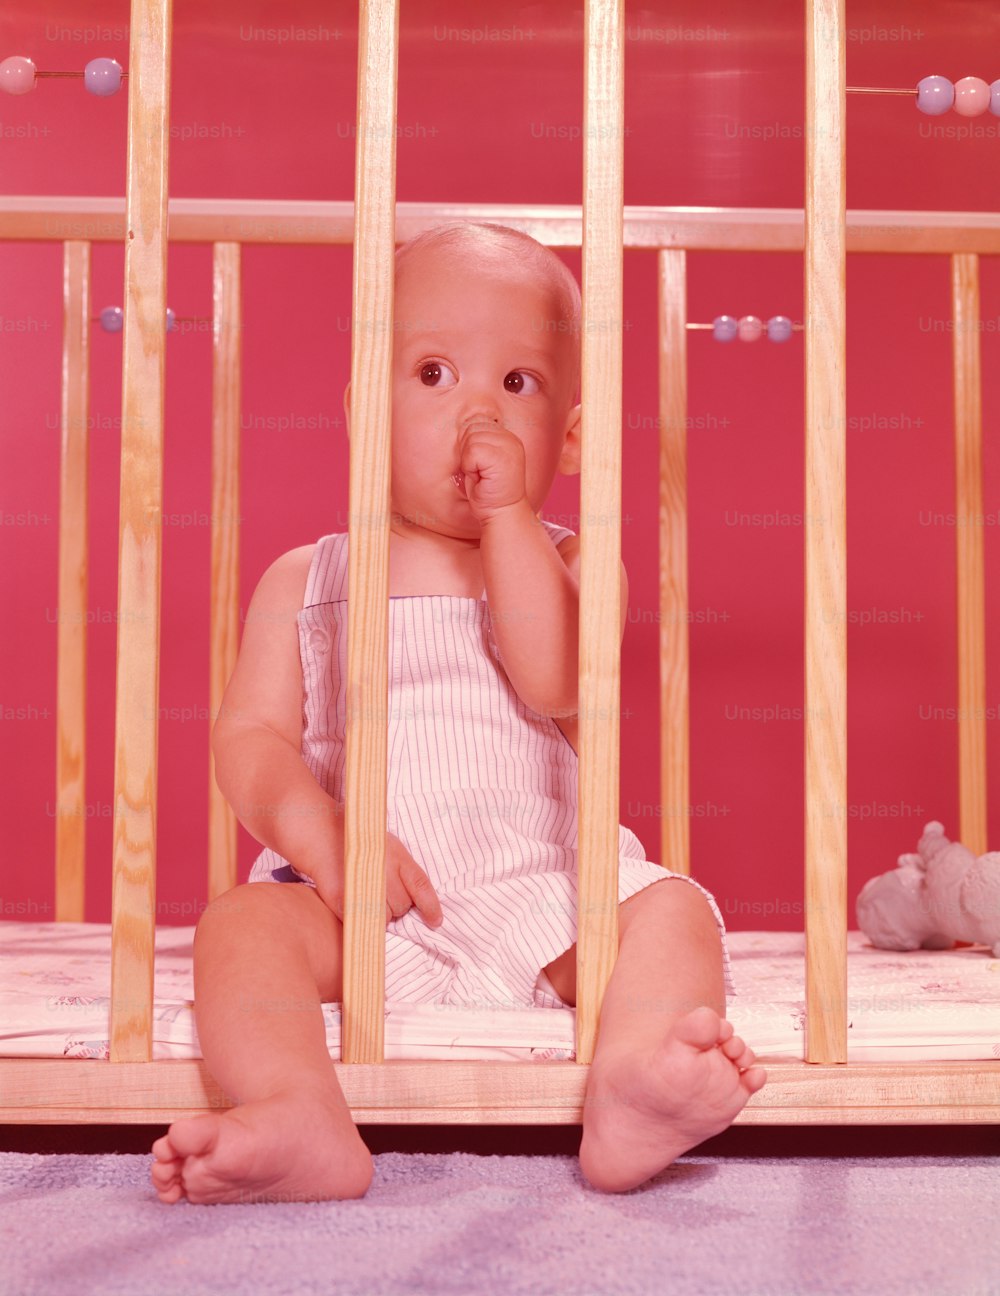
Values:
[(481, 790)]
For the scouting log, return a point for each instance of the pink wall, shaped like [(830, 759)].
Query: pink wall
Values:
[(715, 117)]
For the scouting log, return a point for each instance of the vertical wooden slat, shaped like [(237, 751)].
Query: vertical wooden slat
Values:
[(71, 649), (675, 744), (971, 609), (825, 536), (225, 581), (368, 535), (133, 897), (600, 497)]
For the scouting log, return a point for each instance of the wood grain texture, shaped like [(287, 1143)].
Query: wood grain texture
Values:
[(76, 1090), (675, 673), (825, 537), (708, 229), (74, 558), (600, 500), (133, 894), (365, 809), (224, 603), (971, 588)]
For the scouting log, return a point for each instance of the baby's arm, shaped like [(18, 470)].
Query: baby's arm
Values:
[(534, 596), (257, 736), (257, 743)]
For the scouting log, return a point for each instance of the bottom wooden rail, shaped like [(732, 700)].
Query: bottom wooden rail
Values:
[(72, 1091)]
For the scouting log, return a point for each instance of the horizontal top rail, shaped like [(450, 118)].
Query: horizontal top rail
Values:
[(720, 229)]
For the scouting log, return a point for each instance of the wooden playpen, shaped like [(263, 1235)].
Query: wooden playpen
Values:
[(822, 1088)]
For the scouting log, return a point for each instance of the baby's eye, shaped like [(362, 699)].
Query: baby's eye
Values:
[(433, 370), (515, 380)]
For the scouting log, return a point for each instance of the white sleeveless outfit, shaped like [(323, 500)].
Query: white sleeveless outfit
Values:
[(481, 790)]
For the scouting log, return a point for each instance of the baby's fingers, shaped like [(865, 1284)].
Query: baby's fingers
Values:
[(424, 896)]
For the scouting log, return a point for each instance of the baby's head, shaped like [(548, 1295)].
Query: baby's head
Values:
[(487, 327)]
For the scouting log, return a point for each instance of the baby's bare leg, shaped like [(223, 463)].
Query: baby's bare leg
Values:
[(668, 1072), (266, 955)]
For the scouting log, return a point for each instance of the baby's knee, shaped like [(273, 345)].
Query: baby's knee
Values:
[(694, 910), (242, 907), (226, 904), (676, 898)]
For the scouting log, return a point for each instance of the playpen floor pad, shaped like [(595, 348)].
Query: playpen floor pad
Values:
[(921, 1005)]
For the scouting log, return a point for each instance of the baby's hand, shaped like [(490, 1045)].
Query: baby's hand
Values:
[(406, 885), (492, 460)]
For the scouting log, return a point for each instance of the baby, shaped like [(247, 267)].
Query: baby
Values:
[(481, 840)]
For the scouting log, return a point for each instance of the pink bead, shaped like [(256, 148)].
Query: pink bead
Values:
[(17, 75), (750, 328), (972, 96)]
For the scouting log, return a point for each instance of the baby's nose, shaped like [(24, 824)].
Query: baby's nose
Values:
[(474, 420)]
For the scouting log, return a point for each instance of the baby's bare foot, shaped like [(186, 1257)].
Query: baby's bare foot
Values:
[(291, 1146), (642, 1112)]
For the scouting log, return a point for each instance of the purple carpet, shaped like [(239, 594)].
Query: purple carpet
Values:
[(461, 1224)]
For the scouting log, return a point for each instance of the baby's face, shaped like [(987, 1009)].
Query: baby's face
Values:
[(475, 340)]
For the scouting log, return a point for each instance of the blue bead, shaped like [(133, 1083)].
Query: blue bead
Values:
[(112, 319), (171, 321), (102, 77), (935, 95), (724, 328), (779, 328)]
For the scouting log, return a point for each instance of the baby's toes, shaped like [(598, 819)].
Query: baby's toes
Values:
[(700, 1028), (738, 1051), (753, 1079), (163, 1149), (165, 1173), (169, 1196), (733, 1047), (166, 1179)]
